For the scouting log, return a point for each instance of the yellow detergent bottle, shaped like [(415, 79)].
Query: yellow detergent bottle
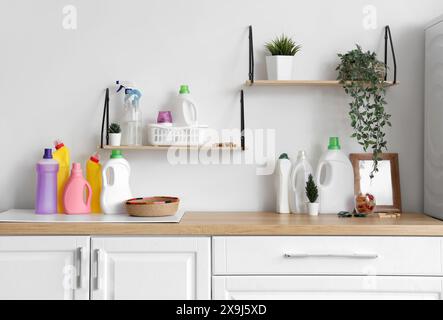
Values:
[(94, 177), (62, 156)]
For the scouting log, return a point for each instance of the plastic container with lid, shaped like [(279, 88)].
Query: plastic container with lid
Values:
[(115, 184), (94, 177), (78, 193), (186, 112), (62, 156), (297, 184), (132, 125), (335, 180), (46, 192), (283, 172)]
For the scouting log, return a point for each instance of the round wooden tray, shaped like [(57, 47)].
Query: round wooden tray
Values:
[(153, 206)]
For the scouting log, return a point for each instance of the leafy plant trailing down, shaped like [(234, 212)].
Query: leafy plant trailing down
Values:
[(283, 46), (311, 190), (114, 128), (362, 76)]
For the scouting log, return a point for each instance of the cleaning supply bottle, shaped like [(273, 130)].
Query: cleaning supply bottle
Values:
[(46, 193), (115, 188), (185, 113), (94, 177), (132, 131), (335, 180), (78, 193), (283, 171), (62, 155), (297, 185)]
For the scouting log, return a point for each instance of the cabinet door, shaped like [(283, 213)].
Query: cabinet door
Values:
[(151, 268), (325, 288), (44, 268)]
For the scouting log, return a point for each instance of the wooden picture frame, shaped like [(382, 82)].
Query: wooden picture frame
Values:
[(395, 179)]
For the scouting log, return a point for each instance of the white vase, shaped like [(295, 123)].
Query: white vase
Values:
[(313, 209), (279, 67), (115, 139)]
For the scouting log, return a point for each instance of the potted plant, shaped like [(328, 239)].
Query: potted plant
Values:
[(280, 63), (362, 76), (115, 135), (312, 194)]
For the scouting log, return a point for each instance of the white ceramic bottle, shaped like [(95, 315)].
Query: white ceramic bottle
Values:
[(283, 171), (297, 184), (335, 180), (185, 113), (115, 184)]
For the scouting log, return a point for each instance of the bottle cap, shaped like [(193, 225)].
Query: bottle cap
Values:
[(334, 143), (76, 166), (48, 154), (58, 144), (95, 158), (284, 156), (116, 154), (184, 89)]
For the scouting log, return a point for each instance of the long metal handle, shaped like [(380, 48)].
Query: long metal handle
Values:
[(80, 266), (368, 256), (98, 269)]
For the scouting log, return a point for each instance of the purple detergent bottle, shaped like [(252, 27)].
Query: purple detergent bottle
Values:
[(46, 195)]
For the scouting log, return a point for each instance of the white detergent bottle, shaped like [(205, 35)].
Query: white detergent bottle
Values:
[(185, 113), (297, 184), (115, 184), (283, 172), (335, 180)]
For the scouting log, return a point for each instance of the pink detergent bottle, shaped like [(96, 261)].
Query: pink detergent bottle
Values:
[(46, 193), (74, 194)]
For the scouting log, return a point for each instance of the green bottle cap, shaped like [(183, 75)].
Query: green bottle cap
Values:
[(184, 89), (334, 143), (116, 154), (284, 156)]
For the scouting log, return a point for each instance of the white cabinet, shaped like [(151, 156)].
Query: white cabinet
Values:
[(44, 268), (250, 268), (327, 256), (151, 268), (326, 288)]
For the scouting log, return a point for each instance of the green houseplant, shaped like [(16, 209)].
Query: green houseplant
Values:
[(115, 135), (312, 194), (280, 63), (362, 76)]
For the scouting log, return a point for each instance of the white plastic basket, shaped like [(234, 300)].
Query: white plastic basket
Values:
[(161, 135)]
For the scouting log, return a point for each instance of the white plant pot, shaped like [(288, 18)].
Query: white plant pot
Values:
[(115, 139), (280, 67), (313, 209)]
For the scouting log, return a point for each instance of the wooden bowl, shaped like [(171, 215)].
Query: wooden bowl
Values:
[(153, 206)]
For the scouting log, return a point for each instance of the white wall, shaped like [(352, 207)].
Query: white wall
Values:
[(52, 81)]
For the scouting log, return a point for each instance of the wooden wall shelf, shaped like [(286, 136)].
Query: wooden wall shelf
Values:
[(303, 83)]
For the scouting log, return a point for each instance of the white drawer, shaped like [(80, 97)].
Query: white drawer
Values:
[(327, 256)]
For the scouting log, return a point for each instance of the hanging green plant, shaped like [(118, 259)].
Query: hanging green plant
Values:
[(362, 76)]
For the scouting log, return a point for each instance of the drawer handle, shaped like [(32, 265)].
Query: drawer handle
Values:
[(367, 256)]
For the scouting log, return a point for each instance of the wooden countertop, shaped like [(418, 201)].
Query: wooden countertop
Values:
[(238, 223)]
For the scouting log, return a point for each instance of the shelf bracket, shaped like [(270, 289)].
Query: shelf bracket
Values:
[(388, 36), (251, 56), (105, 119), (242, 120)]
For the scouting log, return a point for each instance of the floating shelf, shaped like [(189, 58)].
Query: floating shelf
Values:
[(165, 148), (303, 83)]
